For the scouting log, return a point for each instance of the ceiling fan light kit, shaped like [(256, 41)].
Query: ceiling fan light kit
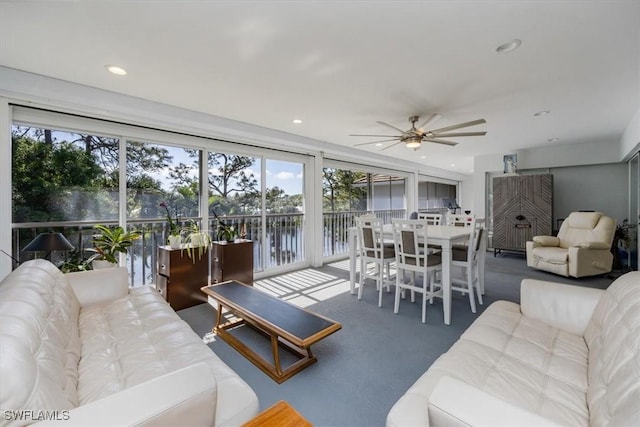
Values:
[(414, 137)]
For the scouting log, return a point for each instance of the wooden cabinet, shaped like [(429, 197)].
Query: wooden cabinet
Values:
[(232, 261), (522, 208), (180, 278)]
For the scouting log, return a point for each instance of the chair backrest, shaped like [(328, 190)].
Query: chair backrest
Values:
[(460, 220), (410, 241), (370, 236), (580, 227), (431, 218)]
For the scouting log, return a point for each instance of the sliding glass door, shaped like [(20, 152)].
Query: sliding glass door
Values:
[(633, 244)]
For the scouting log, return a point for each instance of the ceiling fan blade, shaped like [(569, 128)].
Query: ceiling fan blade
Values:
[(376, 142), (391, 126), (460, 125), (431, 118), (381, 136), (438, 135), (392, 145), (442, 141)]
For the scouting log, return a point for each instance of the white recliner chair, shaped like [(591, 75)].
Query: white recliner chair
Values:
[(582, 247)]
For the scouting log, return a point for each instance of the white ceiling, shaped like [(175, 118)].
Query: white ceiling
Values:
[(340, 66)]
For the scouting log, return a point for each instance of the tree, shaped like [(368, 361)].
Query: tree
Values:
[(230, 174), (339, 192), (47, 178)]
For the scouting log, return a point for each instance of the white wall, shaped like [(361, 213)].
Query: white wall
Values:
[(551, 156), (631, 139), (602, 188)]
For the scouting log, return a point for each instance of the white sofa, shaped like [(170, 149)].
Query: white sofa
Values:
[(85, 349), (582, 247), (567, 355)]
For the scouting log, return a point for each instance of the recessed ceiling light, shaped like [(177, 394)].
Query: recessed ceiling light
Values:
[(509, 46), (553, 139), (542, 113), (116, 70), (297, 121), (423, 157), (378, 145), (453, 165)]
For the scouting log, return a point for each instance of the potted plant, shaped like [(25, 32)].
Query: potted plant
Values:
[(225, 232), (196, 241), (108, 243), (75, 262), (174, 239)]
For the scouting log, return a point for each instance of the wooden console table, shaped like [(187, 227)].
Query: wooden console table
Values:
[(232, 261), (180, 278)]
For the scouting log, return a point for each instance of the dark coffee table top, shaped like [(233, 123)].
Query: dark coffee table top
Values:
[(298, 325)]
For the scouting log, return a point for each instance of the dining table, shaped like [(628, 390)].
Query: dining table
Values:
[(443, 235)]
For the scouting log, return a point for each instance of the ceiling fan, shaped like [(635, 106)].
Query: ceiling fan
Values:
[(415, 136)]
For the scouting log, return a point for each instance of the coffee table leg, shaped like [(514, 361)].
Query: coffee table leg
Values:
[(276, 354), (218, 316)]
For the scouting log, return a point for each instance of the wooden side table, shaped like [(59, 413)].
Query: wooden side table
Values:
[(279, 415)]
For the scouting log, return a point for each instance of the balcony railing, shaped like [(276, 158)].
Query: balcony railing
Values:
[(337, 224), (283, 232)]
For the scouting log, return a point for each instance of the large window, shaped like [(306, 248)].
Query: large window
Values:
[(70, 180), (61, 181)]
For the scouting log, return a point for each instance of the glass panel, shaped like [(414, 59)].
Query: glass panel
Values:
[(347, 194), (158, 174), (235, 198), (432, 196), (634, 212), (64, 182), (284, 212)]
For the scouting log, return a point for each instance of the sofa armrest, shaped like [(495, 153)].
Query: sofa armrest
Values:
[(566, 307), (186, 397), (454, 402), (547, 240), (98, 286)]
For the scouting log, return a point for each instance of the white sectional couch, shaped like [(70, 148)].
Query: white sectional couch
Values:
[(568, 355), (85, 349)]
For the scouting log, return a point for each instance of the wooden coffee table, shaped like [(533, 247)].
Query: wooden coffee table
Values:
[(285, 324)]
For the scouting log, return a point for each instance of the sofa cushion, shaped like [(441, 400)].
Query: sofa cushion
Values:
[(522, 361), (137, 338), (39, 342), (613, 338)]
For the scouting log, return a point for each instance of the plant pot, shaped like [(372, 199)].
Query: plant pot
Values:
[(174, 242), (196, 240), (97, 264)]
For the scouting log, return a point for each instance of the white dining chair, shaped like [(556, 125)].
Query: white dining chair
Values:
[(467, 258), (409, 236), (373, 250), (431, 218), (460, 220)]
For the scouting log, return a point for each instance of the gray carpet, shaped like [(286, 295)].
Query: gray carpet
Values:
[(364, 368)]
